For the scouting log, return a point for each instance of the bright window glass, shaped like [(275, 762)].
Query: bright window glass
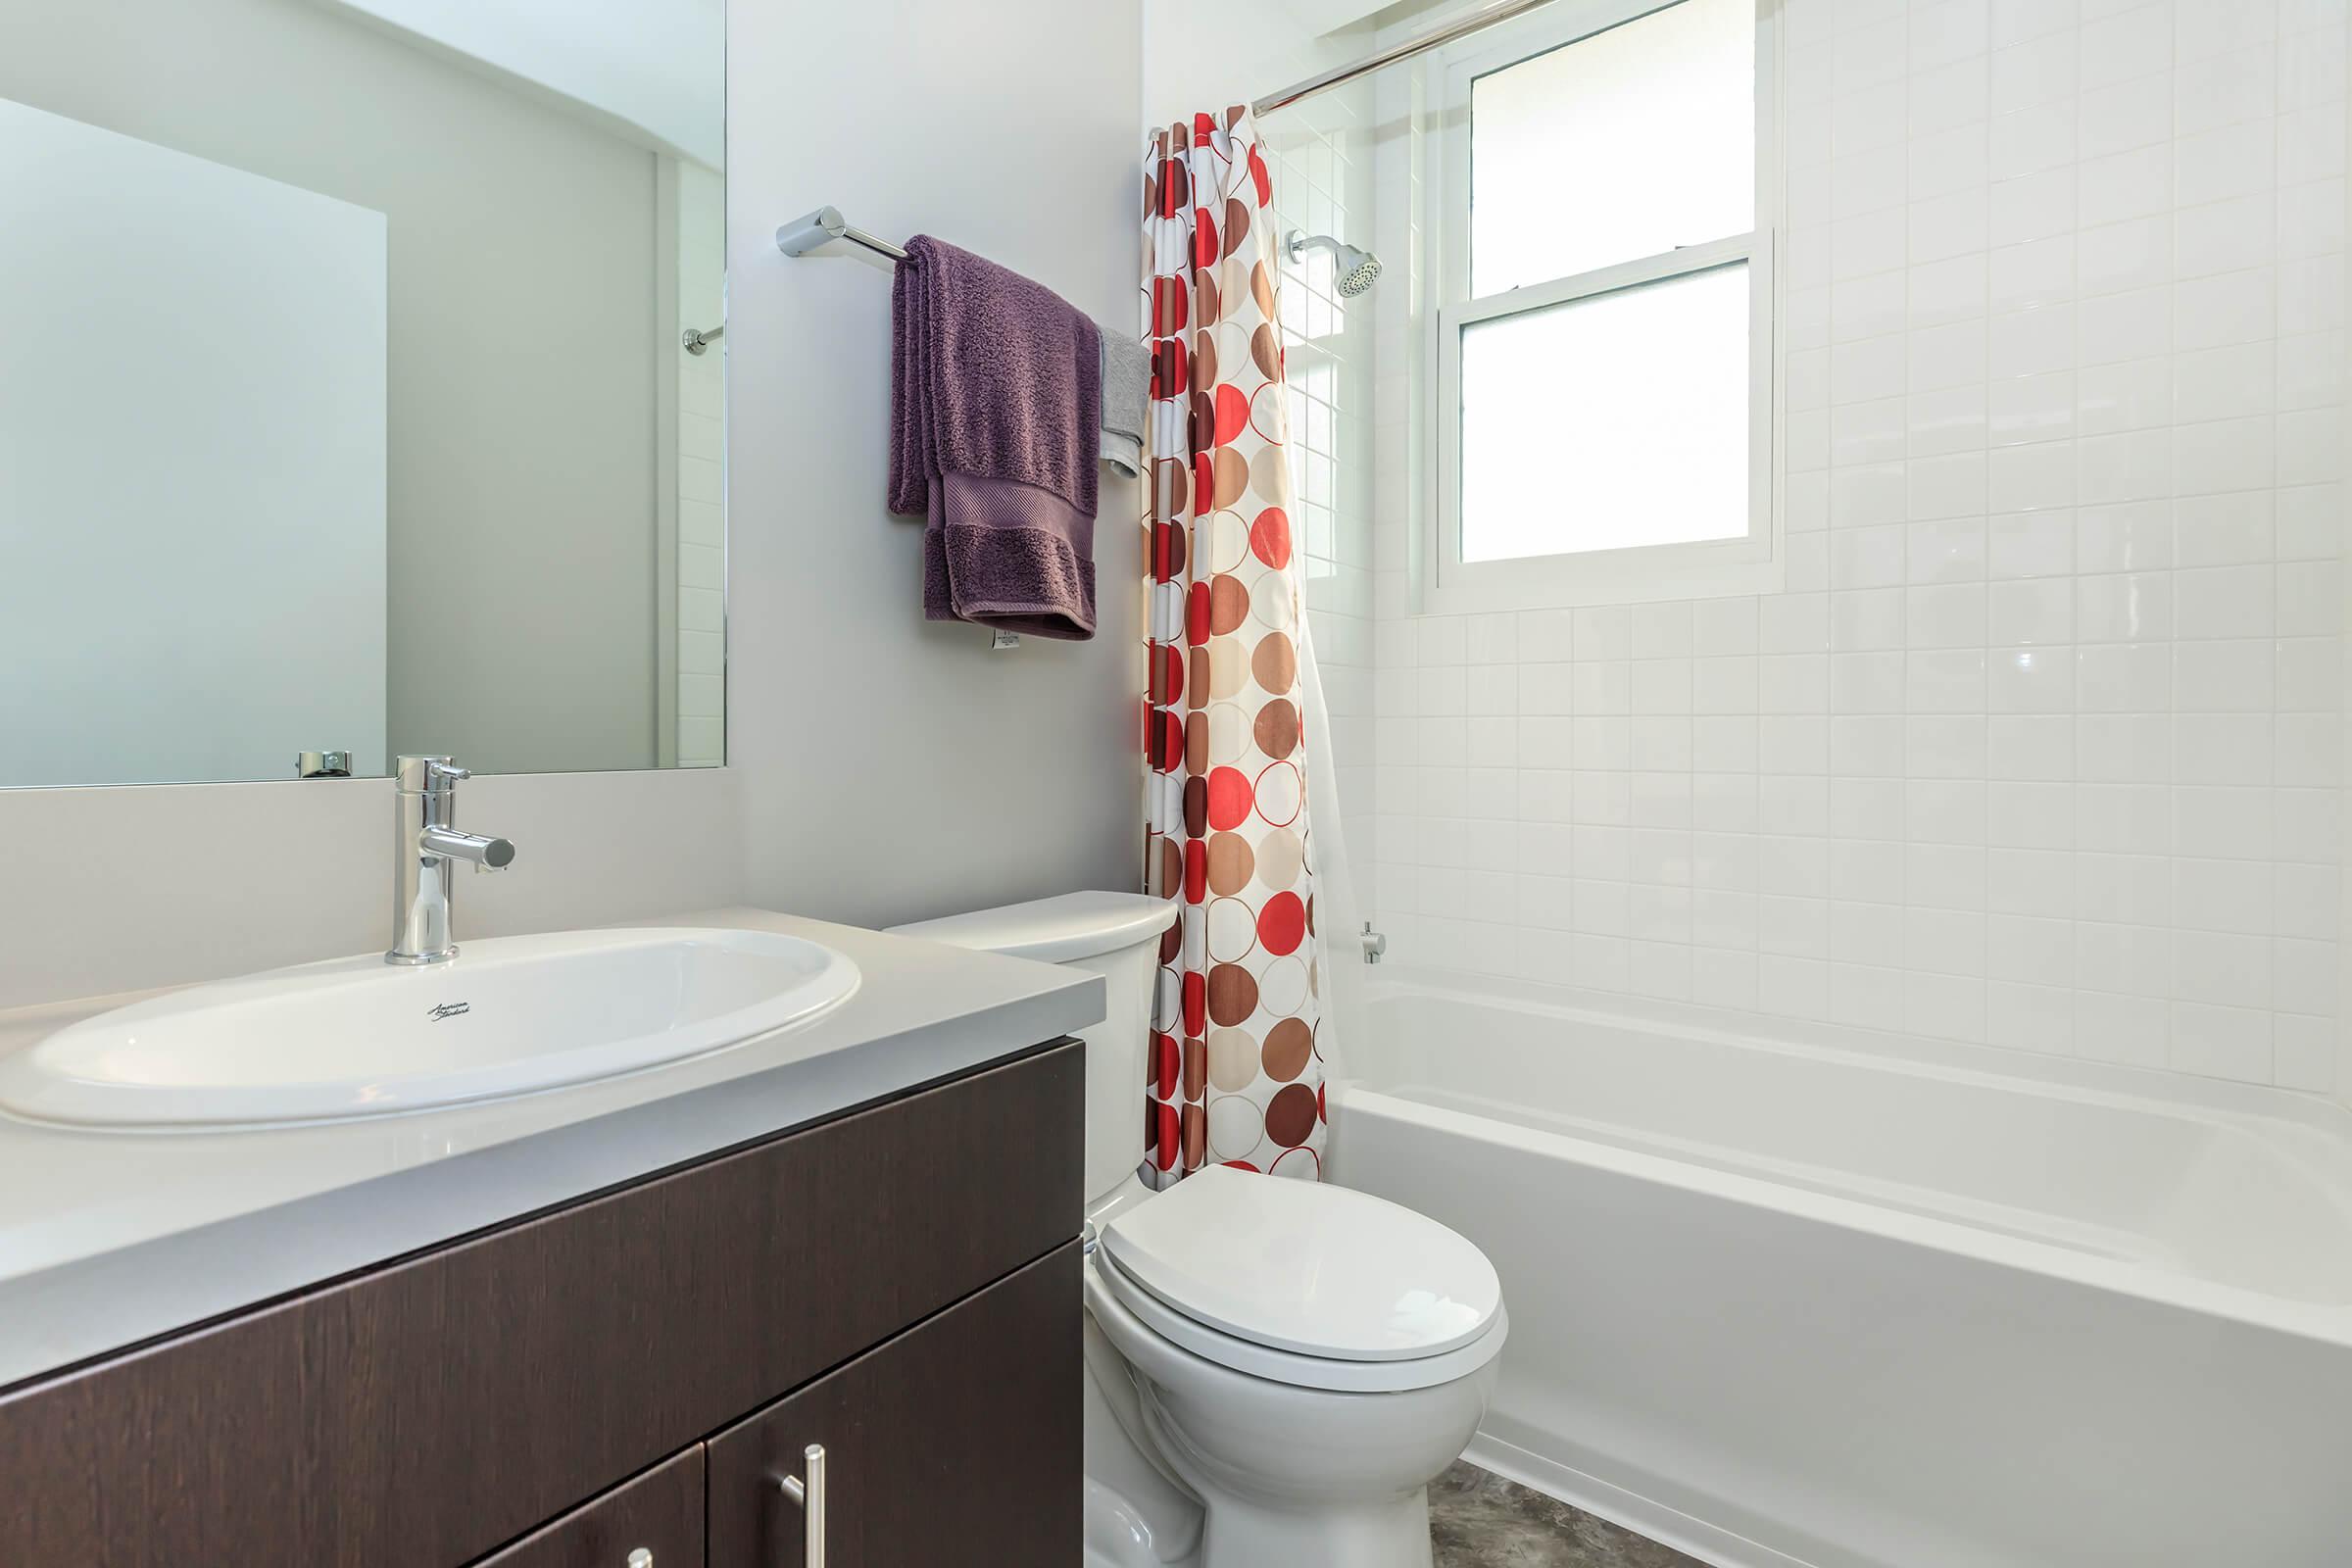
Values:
[(1621, 145), (1612, 421)]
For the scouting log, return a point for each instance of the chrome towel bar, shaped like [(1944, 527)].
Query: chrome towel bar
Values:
[(825, 225)]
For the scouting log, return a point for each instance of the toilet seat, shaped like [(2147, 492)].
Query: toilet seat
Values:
[(1289, 1367), (1316, 1286)]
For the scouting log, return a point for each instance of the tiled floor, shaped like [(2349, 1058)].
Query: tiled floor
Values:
[(1479, 1520)]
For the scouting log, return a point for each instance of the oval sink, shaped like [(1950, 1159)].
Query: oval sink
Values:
[(358, 1037)]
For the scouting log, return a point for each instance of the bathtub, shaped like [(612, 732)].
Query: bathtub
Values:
[(1851, 1302)]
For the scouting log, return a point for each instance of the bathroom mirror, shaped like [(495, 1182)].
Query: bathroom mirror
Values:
[(361, 386)]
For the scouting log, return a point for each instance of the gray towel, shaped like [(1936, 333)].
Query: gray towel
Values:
[(1126, 395)]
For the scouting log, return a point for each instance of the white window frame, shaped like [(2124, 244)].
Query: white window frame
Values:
[(1753, 562)]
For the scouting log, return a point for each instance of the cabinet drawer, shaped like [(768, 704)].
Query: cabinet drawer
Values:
[(956, 1443), (660, 1513), (419, 1415)]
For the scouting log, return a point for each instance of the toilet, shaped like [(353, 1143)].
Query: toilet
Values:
[(1276, 1369)]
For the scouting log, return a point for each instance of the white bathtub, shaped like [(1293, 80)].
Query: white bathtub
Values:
[(1851, 1303)]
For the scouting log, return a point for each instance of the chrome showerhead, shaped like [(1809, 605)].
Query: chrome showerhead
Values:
[(1353, 271)]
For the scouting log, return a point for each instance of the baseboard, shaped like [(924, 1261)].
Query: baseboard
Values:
[(1668, 1527)]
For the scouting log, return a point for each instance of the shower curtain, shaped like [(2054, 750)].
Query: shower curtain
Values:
[(1236, 1071)]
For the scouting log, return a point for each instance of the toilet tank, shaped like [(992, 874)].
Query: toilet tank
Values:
[(1116, 935)]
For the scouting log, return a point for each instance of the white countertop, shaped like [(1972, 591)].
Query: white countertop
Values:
[(109, 1239)]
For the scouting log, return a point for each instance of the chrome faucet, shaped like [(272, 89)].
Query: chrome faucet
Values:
[(425, 849)]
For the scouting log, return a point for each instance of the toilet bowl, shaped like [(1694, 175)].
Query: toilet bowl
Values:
[(1276, 1370)]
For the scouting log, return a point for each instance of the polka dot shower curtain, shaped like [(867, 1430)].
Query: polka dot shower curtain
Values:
[(1237, 1073)]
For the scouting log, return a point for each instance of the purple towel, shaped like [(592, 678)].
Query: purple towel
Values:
[(996, 406)]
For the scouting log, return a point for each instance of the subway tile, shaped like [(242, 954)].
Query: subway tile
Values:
[(2033, 477), (2030, 140), (2025, 277), (2122, 959), (2122, 889), (1946, 550), (2135, 395), (2017, 20), (2226, 163), (1945, 164), (2036, 71), (2224, 602), (2222, 676), (1953, 419), (1865, 618), (2223, 455), (2059, 663), (1863, 495), (1944, 681), (2222, 384), (2221, 748), (1943, 97), (2126, 186), (2135, 1031), (2029, 612), (2028, 1017), (1939, 293), (2225, 236), (2115, 328), (2031, 544), (2035, 747), (1944, 810), (2122, 607), (2221, 968), (2129, 44), (2024, 409), (1724, 626), (2031, 208), (2124, 114), (2124, 748)]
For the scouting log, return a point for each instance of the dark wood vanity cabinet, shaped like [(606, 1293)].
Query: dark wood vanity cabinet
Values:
[(635, 1371), (658, 1515), (956, 1443)]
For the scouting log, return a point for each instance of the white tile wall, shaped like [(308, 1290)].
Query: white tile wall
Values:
[(1321, 163), (2042, 744)]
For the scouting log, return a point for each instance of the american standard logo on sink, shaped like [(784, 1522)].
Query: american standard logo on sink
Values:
[(450, 1010)]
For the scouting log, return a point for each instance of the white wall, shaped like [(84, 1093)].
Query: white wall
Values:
[(1205, 56), (123, 888), (895, 769), (654, 67), (149, 602), (521, 367), (2042, 744)]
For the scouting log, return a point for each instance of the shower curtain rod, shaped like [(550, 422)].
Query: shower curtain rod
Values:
[(1436, 37)]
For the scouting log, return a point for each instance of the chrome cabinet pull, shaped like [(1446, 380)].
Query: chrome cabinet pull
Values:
[(640, 1559), (810, 1496)]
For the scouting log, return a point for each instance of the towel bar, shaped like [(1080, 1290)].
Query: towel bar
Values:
[(822, 227)]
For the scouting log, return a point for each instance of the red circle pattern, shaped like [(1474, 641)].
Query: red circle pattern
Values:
[(1227, 819)]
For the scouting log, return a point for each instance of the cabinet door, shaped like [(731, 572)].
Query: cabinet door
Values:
[(956, 1443), (658, 1515)]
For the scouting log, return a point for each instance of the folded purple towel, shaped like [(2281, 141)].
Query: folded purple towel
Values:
[(995, 403)]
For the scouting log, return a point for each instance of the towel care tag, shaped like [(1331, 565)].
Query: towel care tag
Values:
[(998, 641)]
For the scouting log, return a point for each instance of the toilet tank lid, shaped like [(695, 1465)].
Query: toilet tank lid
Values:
[(1056, 930)]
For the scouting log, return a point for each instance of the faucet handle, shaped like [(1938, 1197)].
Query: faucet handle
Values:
[(429, 775)]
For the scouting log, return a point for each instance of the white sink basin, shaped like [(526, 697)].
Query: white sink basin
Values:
[(358, 1037)]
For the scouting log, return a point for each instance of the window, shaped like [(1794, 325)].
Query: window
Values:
[(1603, 309)]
